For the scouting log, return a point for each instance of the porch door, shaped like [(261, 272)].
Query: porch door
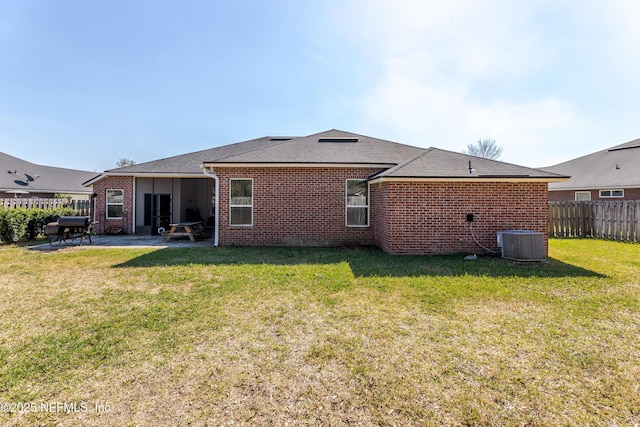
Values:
[(157, 211)]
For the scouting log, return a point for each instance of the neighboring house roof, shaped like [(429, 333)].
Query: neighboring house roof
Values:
[(17, 175), (341, 149), (615, 167)]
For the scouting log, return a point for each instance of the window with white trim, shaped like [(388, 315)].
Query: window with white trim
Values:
[(115, 203), (611, 193), (357, 203), (583, 196), (241, 201)]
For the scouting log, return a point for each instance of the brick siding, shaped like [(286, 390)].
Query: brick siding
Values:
[(295, 207), (306, 207), (430, 218), (124, 183)]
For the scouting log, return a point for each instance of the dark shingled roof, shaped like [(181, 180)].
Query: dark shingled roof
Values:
[(190, 163), (332, 146), (336, 147), (45, 179), (437, 163), (615, 167)]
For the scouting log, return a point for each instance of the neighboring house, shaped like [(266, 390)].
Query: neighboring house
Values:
[(19, 178), (329, 189), (610, 174)]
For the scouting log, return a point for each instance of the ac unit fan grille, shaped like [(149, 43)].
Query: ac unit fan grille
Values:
[(523, 246)]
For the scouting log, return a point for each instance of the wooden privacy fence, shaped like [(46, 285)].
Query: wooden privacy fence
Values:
[(83, 206), (619, 220)]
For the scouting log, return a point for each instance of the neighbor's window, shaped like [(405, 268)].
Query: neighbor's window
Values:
[(357, 203), (241, 202), (583, 196), (115, 201), (611, 193)]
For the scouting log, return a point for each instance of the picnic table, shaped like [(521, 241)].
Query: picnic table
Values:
[(189, 229)]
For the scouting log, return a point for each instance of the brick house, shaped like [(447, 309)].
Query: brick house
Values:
[(330, 189), (610, 174)]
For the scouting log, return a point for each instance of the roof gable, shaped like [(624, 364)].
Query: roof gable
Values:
[(442, 164)]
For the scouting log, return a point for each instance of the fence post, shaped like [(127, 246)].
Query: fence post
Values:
[(615, 220), (637, 221)]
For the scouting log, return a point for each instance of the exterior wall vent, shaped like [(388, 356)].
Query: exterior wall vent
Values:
[(522, 245)]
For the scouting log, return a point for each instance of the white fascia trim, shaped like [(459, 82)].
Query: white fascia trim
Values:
[(157, 175), (492, 179), (93, 180), (144, 175), (213, 165)]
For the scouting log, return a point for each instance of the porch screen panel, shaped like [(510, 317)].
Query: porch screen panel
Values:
[(357, 203), (241, 201)]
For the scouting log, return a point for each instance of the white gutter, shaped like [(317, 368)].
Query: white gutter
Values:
[(300, 165), (216, 208), (141, 175), (470, 179), (133, 198)]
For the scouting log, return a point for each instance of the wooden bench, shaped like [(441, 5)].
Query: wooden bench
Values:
[(189, 229)]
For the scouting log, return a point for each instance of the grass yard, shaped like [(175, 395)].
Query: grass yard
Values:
[(277, 336)]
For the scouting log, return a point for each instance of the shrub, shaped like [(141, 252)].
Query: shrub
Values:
[(27, 224), (14, 225)]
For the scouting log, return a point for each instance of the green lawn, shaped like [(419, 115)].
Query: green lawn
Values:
[(247, 336)]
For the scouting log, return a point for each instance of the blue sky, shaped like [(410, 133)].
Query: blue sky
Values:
[(84, 83)]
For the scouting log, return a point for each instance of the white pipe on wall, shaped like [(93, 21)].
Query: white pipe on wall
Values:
[(216, 207)]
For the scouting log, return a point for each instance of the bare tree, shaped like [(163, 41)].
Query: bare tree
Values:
[(486, 148), (124, 161)]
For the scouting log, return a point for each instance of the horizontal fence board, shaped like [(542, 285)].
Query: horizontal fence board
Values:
[(613, 220)]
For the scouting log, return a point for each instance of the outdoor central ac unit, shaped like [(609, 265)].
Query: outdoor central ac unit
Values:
[(522, 245)]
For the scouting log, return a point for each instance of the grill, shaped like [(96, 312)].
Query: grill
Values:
[(68, 228)]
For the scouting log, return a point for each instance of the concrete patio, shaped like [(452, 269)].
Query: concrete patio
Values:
[(126, 241)]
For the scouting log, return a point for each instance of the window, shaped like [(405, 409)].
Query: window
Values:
[(115, 201), (357, 203), (611, 193), (241, 202), (582, 196)]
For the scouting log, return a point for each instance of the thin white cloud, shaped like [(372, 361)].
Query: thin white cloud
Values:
[(624, 30), (451, 72), (529, 131)]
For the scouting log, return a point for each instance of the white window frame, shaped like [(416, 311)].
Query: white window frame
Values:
[(121, 204), (588, 193), (610, 195), (348, 206), (231, 206)]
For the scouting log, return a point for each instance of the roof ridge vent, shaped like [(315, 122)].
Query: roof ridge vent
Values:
[(280, 139), (338, 139)]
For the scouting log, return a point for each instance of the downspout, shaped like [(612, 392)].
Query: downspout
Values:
[(133, 200), (216, 207)]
